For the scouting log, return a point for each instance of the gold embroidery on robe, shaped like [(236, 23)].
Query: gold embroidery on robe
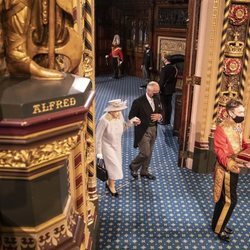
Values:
[(218, 181), (227, 203), (230, 129)]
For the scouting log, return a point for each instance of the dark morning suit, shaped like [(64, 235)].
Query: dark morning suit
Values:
[(145, 133), (147, 62), (168, 78)]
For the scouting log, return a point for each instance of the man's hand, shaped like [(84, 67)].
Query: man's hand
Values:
[(241, 164), (247, 164), (156, 117), (135, 120)]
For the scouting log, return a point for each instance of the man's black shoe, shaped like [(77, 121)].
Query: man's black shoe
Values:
[(224, 236), (149, 176), (133, 172), (228, 230)]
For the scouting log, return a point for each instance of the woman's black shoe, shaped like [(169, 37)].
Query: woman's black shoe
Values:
[(228, 230), (224, 236), (113, 194)]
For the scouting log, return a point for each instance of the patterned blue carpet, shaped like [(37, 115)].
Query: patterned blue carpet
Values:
[(172, 212)]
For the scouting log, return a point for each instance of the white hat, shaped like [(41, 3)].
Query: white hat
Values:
[(116, 105), (116, 40)]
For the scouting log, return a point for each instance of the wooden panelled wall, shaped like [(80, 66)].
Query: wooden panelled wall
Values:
[(137, 22)]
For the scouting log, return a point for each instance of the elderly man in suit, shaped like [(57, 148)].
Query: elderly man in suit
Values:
[(149, 110)]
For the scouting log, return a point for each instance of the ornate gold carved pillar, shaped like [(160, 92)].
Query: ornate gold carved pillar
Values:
[(88, 70), (224, 71), (247, 102), (207, 53)]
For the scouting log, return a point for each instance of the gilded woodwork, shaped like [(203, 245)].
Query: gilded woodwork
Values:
[(247, 104), (35, 60), (234, 48), (37, 135), (171, 46), (193, 80), (240, 1), (172, 17), (50, 234), (87, 65), (2, 61), (87, 68), (224, 73), (209, 70), (232, 82), (40, 39), (33, 157), (210, 75)]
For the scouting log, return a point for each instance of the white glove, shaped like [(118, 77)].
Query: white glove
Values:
[(135, 120), (107, 56), (99, 156)]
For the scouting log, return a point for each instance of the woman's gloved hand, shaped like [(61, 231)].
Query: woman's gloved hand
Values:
[(135, 120), (99, 156)]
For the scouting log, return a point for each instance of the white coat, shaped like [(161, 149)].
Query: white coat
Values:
[(108, 143)]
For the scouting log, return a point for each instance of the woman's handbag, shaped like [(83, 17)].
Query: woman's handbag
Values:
[(101, 171)]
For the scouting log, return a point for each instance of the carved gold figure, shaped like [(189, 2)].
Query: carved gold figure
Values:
[(39, 38)]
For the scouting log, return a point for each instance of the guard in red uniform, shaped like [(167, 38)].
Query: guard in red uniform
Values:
[(116, 55), (228, 142)]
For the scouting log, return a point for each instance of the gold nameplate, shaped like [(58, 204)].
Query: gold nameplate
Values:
[(53, 105)]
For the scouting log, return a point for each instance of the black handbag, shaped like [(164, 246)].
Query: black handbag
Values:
[(101, 171)]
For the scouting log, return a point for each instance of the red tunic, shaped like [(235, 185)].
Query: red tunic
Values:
[(117, 52), (228, 141)]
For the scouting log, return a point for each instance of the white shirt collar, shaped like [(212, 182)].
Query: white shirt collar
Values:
[(150, 99)]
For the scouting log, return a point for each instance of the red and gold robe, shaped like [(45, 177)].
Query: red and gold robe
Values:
[(228, 142)]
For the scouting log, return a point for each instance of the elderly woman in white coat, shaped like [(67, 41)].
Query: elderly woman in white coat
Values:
[(108, 141)]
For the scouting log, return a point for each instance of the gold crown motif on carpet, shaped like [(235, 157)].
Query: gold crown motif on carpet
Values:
[(234, 48)]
